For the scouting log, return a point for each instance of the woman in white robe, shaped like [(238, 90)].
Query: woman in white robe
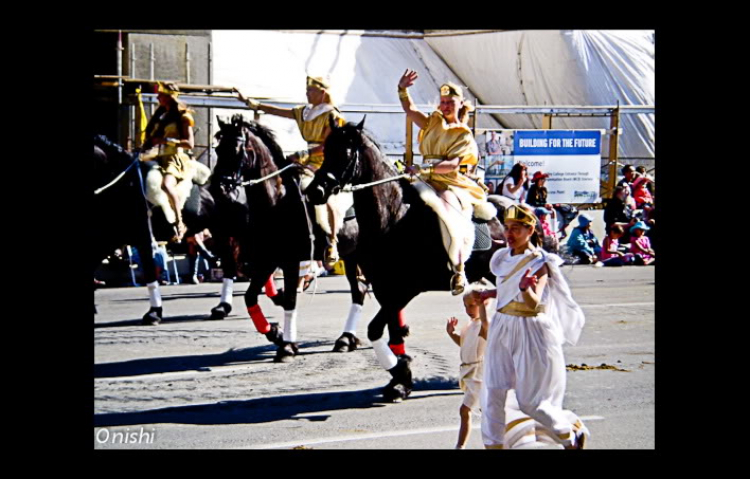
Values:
[(535, 316)]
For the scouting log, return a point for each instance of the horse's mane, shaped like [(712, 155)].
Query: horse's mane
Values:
[(269, 139), (269, 155), (389, 196)]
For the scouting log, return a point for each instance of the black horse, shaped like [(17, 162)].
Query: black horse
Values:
[(281, 226), (400, 249), (120, 214)]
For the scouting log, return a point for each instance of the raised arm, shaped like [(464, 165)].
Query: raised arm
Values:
[(532, 286), (271, 110), (451, 329), (416, 116)]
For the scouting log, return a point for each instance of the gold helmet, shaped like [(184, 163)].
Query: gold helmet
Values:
[(451, 89), (169, 89), (521, 215)]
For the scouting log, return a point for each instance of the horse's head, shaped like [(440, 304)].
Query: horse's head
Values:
[(242, 154), (232, 151), (341, 165)]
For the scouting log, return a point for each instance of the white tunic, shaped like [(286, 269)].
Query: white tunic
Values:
[(472, 364)]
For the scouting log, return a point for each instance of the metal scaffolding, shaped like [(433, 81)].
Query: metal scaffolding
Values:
[(213, 96)]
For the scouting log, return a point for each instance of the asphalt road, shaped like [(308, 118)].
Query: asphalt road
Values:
[(192, 383)]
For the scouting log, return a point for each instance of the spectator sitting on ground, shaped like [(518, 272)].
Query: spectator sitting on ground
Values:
[(582, 242), (640, 245), (610, 255), (619, 212), (543, 214)]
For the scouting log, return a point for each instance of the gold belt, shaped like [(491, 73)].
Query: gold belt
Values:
[(516, 308)]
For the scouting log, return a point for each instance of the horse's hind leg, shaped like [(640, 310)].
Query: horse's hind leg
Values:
[(288, 347), (348, 341)]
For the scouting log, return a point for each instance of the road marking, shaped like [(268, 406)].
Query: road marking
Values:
[(380, 435), (617, 305)]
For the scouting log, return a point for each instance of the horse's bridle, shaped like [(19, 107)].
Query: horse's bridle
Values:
[(231, 183), (348, 173)]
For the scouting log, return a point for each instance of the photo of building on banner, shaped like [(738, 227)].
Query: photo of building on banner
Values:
[(571, 158)]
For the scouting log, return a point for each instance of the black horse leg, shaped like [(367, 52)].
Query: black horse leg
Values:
[(257, 280), (397, 365), (154, 315), (397, 331), (288, 349), (275, 295), (348, 340)]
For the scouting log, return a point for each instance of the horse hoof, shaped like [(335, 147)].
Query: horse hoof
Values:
[(401, 373), (286, 353), (395, 393), (341, 345), (153, 317), (346, 343), (275, 335), (221, 311)]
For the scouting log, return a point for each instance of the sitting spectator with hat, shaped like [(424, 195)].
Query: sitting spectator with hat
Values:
[(582, 242), (544, 214), (537, 195), (640, 244)]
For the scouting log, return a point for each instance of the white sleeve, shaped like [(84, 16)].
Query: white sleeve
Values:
[(563, 310), (506, 188)]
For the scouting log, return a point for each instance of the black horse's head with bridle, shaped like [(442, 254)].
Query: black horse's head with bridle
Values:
[(246, 151), (342, 165)]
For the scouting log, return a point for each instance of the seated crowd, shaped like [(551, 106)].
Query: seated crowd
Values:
[(629, 216)]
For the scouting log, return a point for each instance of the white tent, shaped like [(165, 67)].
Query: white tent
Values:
[(581, 68)]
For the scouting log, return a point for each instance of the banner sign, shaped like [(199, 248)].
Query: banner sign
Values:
[(571, 158)]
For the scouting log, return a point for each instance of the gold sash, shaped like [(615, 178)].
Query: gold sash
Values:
[(516, 308), (521, 264)]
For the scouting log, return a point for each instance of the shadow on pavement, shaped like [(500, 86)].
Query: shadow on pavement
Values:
[(263, 410), (137, 367), (166, 320)]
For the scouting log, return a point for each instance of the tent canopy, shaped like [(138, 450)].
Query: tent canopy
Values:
[(582, 68)]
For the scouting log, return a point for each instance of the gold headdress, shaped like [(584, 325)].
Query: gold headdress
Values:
[(318, 82), (451, 89), (516, 213), (169, 89)]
